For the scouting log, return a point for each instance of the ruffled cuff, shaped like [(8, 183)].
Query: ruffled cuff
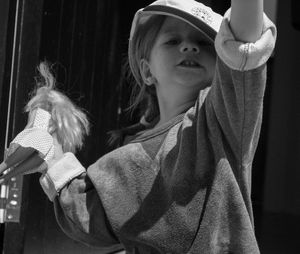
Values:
[(60, 174), (245, 56)]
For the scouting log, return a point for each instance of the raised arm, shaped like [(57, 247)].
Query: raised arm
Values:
[(246, 19), (244, 43)]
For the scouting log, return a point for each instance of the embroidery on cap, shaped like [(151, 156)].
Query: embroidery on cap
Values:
[(202, 14)]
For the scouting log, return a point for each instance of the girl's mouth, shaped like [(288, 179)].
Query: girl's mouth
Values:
[(189, 63)]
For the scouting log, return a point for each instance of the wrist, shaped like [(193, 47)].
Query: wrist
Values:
[(60, 174)]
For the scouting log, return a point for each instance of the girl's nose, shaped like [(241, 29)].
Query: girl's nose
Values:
[(189, 46)]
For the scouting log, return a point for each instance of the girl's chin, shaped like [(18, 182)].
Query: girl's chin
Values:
[(195, 74), (192, 80), (196, 84)]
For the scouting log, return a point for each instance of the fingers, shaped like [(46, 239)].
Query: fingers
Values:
[(31, 164), (12, 147), (20, 154), (3, 167)]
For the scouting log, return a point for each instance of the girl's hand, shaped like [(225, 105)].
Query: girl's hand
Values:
[(26, 160), (246, 20), (58, 154)]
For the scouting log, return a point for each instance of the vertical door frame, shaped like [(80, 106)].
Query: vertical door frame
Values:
[(20, 64)]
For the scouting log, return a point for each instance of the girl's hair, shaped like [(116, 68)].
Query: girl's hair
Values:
[(68, 121), (142, 96), (143, 41)]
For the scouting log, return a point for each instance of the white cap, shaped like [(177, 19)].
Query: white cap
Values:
[(196, 14)]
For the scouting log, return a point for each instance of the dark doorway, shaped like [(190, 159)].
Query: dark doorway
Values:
[(86, 41)]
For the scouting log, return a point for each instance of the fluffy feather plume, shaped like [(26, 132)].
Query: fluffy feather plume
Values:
[(68, 121)]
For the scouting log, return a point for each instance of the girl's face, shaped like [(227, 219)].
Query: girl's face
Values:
[(182, 56)]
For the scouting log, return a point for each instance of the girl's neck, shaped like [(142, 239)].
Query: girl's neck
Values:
[(172, 107)]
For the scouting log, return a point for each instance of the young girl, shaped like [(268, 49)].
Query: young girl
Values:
[(183, 185)]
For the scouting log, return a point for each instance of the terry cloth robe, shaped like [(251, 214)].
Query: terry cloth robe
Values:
[(185, 186)]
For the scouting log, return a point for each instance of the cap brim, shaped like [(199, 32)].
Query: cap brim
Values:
[(209, 32)]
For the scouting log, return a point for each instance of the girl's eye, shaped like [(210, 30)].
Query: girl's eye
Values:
[(172, 42)]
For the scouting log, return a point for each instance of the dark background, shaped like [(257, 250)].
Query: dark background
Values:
[(87, 43)]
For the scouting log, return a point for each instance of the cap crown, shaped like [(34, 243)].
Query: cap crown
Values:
[(196, 14)]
